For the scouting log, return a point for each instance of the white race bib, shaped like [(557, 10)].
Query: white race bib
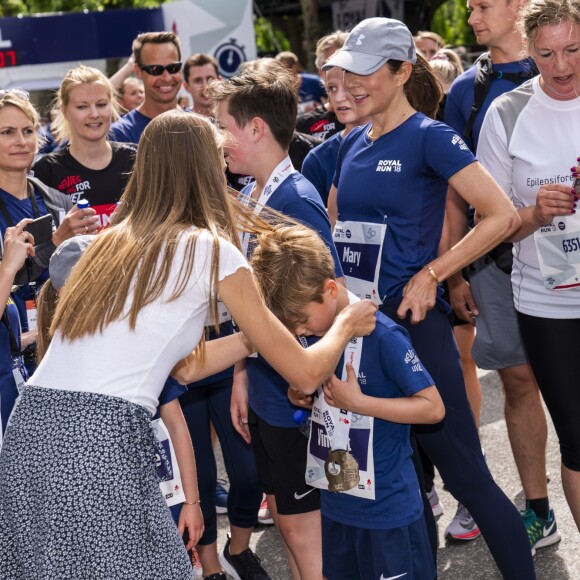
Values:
[(167, 467), (360, 246), (558, 249), (333, 428)]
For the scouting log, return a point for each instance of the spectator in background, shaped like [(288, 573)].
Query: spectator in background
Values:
[(310, 88), (487, 301), (88, 166), (447, 66), (17, 246), (320, 164), (199, 69), (157, 57), (183, 102), (428, 43), (131, 94), (22, 196), (321, 122), (47, 142)]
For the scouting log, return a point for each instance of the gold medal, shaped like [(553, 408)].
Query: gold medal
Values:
[(341, 470)]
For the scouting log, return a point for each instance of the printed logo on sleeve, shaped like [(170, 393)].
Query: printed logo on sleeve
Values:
[(457, 140), (412, 359)]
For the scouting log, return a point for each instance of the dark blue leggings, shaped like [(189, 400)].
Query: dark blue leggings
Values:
[(454, 447), (212, 402)]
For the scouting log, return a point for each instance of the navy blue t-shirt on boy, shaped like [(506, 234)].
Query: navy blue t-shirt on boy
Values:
[(389, 368), (296, 198), (400, 179)]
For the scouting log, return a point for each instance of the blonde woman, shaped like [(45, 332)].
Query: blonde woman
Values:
[(23, 197), (88, 166), (79, 439)]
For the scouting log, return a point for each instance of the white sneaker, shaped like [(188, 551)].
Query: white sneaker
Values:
[(462, 526), (436, 506), (264, 516)]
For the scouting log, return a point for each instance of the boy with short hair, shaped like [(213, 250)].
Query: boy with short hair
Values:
[(364, 535), (257, 111)]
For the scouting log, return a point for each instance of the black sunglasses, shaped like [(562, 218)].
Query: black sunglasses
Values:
[(156, 70)]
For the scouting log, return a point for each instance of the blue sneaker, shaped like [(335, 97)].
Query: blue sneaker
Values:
[(541, 532), (221, 497)]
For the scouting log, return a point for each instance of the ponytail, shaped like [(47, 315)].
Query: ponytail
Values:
[(423, 90)]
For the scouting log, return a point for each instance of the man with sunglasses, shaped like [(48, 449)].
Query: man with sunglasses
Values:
[(157, 58)]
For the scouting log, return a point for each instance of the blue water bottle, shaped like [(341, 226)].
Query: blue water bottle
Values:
[(302, 419)]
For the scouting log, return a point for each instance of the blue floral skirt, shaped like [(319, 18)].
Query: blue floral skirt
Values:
[(79, 496)]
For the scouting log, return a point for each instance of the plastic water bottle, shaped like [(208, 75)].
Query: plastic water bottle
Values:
[(83, 204), (302, 419)]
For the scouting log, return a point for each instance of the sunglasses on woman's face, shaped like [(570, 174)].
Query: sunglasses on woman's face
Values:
[(156, 70)]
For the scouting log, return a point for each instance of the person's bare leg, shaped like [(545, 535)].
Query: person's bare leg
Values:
[(527, 428), (571, 485), (240, 539), (464, 336), (274, 513), (302, 534), (208, 557)]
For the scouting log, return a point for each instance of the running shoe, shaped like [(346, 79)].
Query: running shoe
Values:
[(436, 506), (196, 564), (244, 566), (221, 497), (462, 526), (264, 516), (541, 532)]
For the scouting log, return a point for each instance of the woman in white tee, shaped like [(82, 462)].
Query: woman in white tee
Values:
[(78, 492)]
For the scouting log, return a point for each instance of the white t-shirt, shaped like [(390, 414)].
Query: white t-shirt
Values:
[(134, 365), (528, 140)]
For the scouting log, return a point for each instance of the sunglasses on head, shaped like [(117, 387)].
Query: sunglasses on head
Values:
[(156, 70), (16, 92)]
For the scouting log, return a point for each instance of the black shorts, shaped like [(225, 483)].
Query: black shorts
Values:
[(281, 459)]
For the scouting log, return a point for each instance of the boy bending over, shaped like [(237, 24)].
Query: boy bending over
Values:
[(373, 526)]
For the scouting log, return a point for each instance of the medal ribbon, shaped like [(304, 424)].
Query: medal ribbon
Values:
[(282, 171), (338, 421)]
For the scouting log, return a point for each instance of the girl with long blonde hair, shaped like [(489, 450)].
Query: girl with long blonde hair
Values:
[(79, 439)]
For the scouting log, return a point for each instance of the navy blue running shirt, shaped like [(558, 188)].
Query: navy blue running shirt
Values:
[(400, 179)]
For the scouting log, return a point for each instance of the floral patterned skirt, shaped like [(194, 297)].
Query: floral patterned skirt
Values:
[(79, 497)]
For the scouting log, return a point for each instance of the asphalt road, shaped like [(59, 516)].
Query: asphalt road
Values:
[(469, 561)]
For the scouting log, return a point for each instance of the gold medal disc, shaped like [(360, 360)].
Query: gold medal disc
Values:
[(341, 470)]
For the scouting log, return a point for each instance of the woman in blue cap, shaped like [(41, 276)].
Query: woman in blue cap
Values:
[(395, 172)]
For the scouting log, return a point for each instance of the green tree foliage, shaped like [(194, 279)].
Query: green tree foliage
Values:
[(27, 7), (269, 39), (450, 21)]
